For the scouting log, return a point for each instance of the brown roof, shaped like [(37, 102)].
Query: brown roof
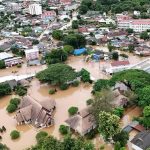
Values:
[(81, 124), (48, 104), (34, 110), (120, 63)]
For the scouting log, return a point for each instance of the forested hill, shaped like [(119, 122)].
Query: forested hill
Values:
[(116, 6)]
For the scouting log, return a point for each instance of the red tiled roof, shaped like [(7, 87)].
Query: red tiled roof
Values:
[(139, 128), (120, 63)]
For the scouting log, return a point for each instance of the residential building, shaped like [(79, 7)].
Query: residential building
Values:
[(32, 54), (141, 141), (35, 9), (48, 15), (2, 8), (82, 122), (138, 25), (65, 2), (37, 113), (13, 6)]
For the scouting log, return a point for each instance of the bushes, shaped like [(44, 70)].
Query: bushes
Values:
[(11, 108), (92, 134), (100, 84), (89, 101), (13, 105), (72, 110), (2, 64), (75, 83), (52, 91), (5, 89), (21, 90), (85, 75), (118, 111), (15, 101), (15, 134), (63, 129), (41, 135), (64, 86)]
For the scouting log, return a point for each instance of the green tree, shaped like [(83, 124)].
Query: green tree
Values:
[(14, 134), (122, 138), (11, 108), (72, 110), (110, 47), (5, 89), (15, 101), (57, 74), (41, 135), (144, 35), (75, 24), (131, 48), (68, 48), (144, 96), (146, 116), (63, 129), (85, 75), (35, 42), (57, 34), (2, 64), (102, 102), (56, 56), (115, 55), (75, 40), (108, 125), (129, 30), (118, 111), (3, 147), (100, 84), (83, 9)]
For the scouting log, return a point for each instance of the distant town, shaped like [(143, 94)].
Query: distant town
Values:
[(74, 75)]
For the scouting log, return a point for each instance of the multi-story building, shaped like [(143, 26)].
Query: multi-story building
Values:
[(35, 9), (138, 25), (32, 54)]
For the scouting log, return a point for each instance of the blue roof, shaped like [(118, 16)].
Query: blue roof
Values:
[(79, 51)]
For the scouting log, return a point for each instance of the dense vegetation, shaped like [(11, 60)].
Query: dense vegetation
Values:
[(2, 64), (56, 56), (57, 74), (5, 89), (68, 143), (116, 6), (13, 105)]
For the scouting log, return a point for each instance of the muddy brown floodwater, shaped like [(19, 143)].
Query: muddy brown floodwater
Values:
[(74, 96)]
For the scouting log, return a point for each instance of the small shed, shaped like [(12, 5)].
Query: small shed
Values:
[(79, 51), (98, 55)]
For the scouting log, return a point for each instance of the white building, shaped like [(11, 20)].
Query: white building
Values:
[(35, 9), (138, 25)]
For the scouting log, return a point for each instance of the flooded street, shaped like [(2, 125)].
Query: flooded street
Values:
[(95, 68)]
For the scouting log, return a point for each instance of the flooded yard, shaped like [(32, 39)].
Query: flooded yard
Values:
[(74, 96)]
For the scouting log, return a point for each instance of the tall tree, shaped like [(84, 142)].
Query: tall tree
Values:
[(108, 125), (102, 102)]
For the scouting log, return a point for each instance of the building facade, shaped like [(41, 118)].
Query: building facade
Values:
[(35, 9)]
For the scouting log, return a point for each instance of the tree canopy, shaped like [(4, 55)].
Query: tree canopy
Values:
[(57, 34), (68, 143), (5, 89), (75, 40), (56, 56), (57, 74), (102, 102), (108, 125)]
